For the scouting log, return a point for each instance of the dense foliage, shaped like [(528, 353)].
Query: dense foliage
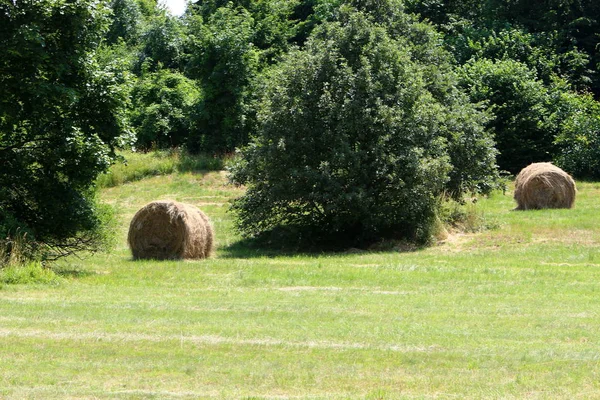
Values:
[(523, 59), (567, 28), (163, 104), (230, 44), (511, 63), (60, 117), (578, 141), (520, 105), (359, 134)]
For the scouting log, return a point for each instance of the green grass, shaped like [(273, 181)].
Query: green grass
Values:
[(510, 313), (134, 166), (31, 272)]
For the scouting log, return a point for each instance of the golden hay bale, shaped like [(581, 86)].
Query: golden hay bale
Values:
[(170, 230), (543, 185)]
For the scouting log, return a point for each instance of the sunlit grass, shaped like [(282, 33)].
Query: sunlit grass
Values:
[(30, 272), (133, 166)]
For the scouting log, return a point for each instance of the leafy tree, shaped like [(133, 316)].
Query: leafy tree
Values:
[(310, 13), (578, 141), (565, 29), (576, 23), (443, 12), (162, 104), (357, 138), (148, 8), (162, 41), (536, 50), (520, 106), (225, 61), (230, 44), (60, 117), (271, 23), (126, 22), (151, 45), (533, 121)]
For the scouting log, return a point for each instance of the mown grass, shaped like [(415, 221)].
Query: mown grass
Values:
[(511, 312)]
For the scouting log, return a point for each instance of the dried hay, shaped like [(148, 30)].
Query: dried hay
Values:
[(543, 185), (170, 230)]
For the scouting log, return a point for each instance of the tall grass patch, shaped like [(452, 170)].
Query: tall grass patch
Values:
[(134, 166), (17, 266), (465, 216), (32, 272)]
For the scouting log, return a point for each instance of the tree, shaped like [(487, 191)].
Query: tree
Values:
[(357, 137), (565, 29), (578, 142), (61, 116), (520, 105), (532, 120), (231, 43), (163, 102), (126, 22), (162, 42), (576, 24), (225, 61)]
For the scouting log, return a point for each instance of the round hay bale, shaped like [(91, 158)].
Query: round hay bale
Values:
[(543, 185), (170, 230)]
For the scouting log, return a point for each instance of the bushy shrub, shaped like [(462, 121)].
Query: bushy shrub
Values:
[(358, 137), (32, 272)]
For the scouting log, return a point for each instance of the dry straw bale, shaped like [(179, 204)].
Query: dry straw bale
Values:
[(170, 230), (543, 185)]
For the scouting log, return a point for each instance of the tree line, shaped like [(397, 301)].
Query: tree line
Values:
[(351, 117)]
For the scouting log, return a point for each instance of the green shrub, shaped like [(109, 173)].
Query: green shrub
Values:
[(358, 136), (464, 216)]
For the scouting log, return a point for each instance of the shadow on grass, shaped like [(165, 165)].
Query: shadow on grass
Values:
[(71, 272), (261, 248), (253, 248)]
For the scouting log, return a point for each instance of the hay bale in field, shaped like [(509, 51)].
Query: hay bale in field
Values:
[(170, 230), (543, 185)]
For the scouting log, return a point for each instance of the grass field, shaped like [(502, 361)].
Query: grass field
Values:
[(511, 313)]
